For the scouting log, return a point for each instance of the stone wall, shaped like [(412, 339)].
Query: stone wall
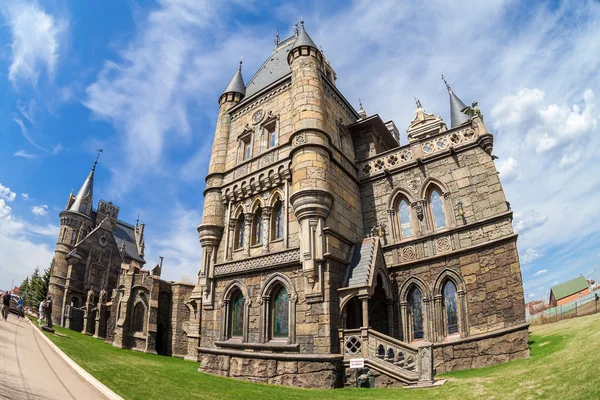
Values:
[(483, 350), (180, 314)]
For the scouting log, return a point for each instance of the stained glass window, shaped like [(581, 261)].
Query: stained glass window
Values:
[(278, 221), (281, 313), (415, 304), (258, 227), (405, 224), (437, 208), (237, 315), (451, 307), (239, 243)]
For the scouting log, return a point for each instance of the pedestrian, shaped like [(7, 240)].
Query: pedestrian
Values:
[(20, 308), (41, 311), (5, 304)]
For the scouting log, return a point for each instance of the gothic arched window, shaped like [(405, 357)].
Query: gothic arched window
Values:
[(277, 221), (237, 315), (281, 313), (405, 219), (415, 308), (139, 317), (257, 227), (437, 210), (451, 308), (239, 232)]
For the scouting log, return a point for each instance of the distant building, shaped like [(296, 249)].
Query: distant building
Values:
[(569, 291), (536, 306)]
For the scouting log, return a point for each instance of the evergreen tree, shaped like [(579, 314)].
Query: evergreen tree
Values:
[(24, 291), (36, 284)]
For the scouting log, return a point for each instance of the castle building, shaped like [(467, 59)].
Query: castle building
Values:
[(325, 240), (92, 244)]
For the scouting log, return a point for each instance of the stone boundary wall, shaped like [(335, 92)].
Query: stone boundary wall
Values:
[(482, 350)]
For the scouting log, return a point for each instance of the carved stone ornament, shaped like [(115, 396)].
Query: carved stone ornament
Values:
[(258, 116), (103, 240), (418, 207), (299, 139), (414, 186)]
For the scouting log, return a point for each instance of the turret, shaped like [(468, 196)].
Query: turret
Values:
[(311, 195), (210, 230), (457, 117)]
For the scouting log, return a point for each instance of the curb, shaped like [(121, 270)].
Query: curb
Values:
[(83, 373)]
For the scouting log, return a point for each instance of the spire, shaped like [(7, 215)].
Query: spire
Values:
[(418, 103), (302, 38), (277, 38), (83, 200), (456, 105), (237, 83), (361, 112)]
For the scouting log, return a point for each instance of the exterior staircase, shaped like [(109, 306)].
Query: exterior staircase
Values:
[(408, 364)]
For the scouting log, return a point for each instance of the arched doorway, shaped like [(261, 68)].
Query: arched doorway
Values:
[(353, 312), (379, 318)]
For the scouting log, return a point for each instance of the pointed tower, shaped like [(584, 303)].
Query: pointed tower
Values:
[(75, 223), (311, 195), (456, 105), (210, 230)]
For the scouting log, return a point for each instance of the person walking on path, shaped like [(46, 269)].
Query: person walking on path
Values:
[(41, 312), (20, 308), (5, 305)]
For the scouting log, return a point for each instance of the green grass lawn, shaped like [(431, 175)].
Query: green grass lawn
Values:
[(564, 363)]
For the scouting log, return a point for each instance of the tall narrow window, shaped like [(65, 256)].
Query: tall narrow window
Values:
[(239, 232), (84, 207), (451, 308), (437, 210), (247, 150), (237, 315), (271, 135), (277, 221), (257, 227), (415, 305), (73, 236), (405, 220), (281, 313), (139, 316)]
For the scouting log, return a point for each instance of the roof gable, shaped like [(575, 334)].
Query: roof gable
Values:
[(570, 287)]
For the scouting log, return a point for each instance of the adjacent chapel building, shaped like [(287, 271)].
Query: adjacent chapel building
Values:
[(325, 240)]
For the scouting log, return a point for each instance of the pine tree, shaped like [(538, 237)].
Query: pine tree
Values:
[(24, 291), (36, 285)]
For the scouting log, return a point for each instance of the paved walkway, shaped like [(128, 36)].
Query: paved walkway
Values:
[(31, 370)]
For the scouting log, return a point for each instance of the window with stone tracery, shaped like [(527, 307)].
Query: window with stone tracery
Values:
[(451, 308), (239, 232), (280, 318), (277, 221), (415, 309), (436, 204), (257, 227), (236, 319), (405, 219)]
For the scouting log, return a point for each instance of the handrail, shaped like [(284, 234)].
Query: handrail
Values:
[(392, 340)]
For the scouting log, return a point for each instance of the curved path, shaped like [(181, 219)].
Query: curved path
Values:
[(31, 370)]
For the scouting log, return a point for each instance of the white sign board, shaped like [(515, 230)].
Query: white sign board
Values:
[(357, 363)]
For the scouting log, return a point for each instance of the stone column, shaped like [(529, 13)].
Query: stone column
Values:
[(438, 315), (231, 238), (462, 303), (405, 321), (210, 236), (365, 311), (266, 228), (248, 218), (392, 225), (390, 312)]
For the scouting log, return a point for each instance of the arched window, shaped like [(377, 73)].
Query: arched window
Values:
[(239, 232), (437, 210), (405, 219), (415, 308), (139, 316), (277, 221), (84, 207), (281, 313), (257, 227), (237, 315), (451, 308)]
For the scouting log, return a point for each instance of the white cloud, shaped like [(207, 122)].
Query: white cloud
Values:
[(40, 210), (25, 132), (569, 158), (24, 154), (527, 220), (530, 255), (540, 272), (5, 209), (509, 169), (6, 193), (36, 40), (531, 295), (25, 196)]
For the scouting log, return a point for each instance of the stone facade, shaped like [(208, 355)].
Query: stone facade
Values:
[(297, 179)]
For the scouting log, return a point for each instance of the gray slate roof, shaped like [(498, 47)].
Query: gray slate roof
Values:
[(125, 233), (237, 83), (273, 69), (303, 39), (360, 264), (456, 116), (87, 189)]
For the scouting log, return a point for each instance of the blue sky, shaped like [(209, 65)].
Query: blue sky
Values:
[(141, 80)]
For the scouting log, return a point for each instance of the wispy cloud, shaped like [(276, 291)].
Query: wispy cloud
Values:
[(529, 255), (25, 132), (25, 196), (40, 211), (24, 154), (7, 194), (36, 40), (540, 272)]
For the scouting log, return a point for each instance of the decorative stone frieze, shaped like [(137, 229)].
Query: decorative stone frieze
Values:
[(257, 263)]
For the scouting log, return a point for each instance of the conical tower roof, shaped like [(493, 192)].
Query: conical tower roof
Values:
[(457, 117), (85, 192), (303, 39), (237, 83)]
